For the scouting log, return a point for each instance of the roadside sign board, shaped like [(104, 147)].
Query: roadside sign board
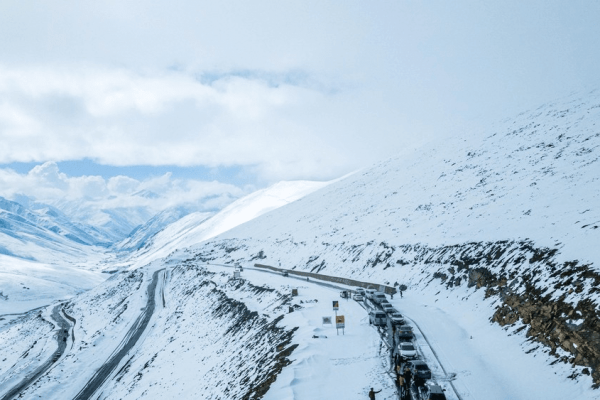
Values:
[(340, 322), (294, 292), (336, 305), (326, 320)]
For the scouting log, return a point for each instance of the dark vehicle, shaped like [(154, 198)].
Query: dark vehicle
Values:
[(345, 294), (405, 333), (377, 318), (285, 273), (419, 369), (431, 391)]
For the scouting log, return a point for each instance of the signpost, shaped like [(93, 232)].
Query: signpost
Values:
[(340, 323), (294, 292), (339, 320)]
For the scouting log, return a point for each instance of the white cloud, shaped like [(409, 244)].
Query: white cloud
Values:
[(46, 184), (300, 89), (119, 118)]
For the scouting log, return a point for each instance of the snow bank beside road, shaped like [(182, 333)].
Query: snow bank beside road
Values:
[(488, 363), (331, 367)]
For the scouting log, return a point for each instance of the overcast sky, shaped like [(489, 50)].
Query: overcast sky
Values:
[(249, 93)]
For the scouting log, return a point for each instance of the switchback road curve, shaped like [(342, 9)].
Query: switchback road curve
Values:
[(61, 338)]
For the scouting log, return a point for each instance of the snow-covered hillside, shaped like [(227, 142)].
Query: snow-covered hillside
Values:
[(25, 285), (197, 227), (512, 217), (535, 177), (140, 236)]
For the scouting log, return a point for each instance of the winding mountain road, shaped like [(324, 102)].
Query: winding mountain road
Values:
[(64, 326), (128, 342)]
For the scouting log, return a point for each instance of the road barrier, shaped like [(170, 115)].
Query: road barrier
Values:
[(336, 279)]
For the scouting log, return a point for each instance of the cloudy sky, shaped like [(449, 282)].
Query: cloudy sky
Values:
[(223, 97)]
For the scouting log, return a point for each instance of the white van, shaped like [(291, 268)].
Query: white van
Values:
[(377, 318)]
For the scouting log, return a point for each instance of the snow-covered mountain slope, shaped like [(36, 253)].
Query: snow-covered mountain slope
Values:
[(112, 224), (536, 177), (139, 237), (197, 227), (42, 234), (513, 215), (25, 285)]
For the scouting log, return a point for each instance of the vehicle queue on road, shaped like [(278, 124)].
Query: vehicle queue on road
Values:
[(413, 376)]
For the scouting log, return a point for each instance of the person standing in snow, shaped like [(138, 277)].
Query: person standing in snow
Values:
[(372, 394), (407, 377), (401, 385)]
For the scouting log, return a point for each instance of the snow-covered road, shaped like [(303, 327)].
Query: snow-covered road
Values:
[(130, 340), (62, 332), (489, 364)]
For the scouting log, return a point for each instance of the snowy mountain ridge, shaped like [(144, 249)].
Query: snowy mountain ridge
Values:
[(142, 234), (42, 233)]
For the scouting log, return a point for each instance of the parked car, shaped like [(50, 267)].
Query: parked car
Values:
[(358, 297), (345, 294), (388, 308), (431, 391), (407, 350), (378, 297), (396, 318), (360, 291), (285, 273), (369, 293), (377, 318), (419, 369)]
